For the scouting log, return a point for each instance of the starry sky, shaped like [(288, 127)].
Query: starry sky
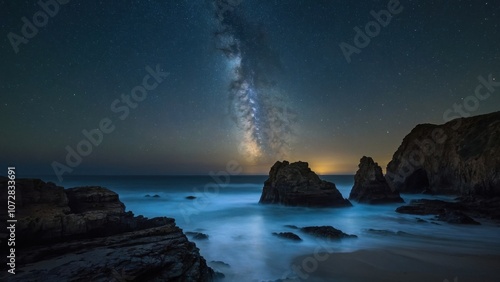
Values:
[(251, 81)]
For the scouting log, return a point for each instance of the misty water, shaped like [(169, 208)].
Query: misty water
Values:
[(240, 230)]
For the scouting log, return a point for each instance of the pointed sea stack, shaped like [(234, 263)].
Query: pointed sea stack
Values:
[(370, 185), (297, 185)]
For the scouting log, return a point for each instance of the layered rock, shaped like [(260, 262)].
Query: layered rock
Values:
[(461, 157), (297, 185), (370, 185), (84, 234)]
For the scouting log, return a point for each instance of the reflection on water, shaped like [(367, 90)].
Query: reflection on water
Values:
[(240, 230)]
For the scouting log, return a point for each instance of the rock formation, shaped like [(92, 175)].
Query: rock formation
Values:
[(287, 235), (326, 232), (84, 234), (461, 157), (451, 212), (297, 185), (370, 185)]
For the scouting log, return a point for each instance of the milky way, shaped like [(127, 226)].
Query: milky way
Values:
[(256, 104)]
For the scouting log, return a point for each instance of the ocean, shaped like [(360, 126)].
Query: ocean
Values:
[(240, 230)]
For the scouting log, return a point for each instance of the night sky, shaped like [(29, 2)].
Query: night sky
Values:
[(254, 81)]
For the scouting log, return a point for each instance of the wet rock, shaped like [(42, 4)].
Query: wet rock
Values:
[(197, 235), (297, 185), (288, 236), (326, 232), (84, 234), (456, 217), (429, 207), (370, 185), (451, 212)]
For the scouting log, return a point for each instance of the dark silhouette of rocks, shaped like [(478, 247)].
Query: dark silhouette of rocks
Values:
[(428, 207), (456, 217), (190, 197), (84, 234), (287, 235), (461, 157), (482, 206), (370, 185), (197, 235), (450, 212), (326, 232), (297, 185)]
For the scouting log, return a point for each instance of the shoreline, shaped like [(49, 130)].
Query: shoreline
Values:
[(397, 264)]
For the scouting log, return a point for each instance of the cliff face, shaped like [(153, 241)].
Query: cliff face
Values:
[(461, 157), (84, 234), (297, 185), (370, 186)]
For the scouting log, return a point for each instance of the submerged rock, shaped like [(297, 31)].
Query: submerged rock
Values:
[(370, 185), (197, 235), (190, 197), (429, 207), (456, 217), (445, 211), (287, 235), (326, 232), (297, 185)]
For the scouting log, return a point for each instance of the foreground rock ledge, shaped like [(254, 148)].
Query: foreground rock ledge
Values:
[(370, 185), (297, 185), (84, 234)]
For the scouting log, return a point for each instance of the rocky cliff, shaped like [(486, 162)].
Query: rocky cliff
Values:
[(297, 185), (84, 234), (370, 185), (461, 157)]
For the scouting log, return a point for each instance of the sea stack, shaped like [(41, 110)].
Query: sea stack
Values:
[(370, 185), (296, 184)]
